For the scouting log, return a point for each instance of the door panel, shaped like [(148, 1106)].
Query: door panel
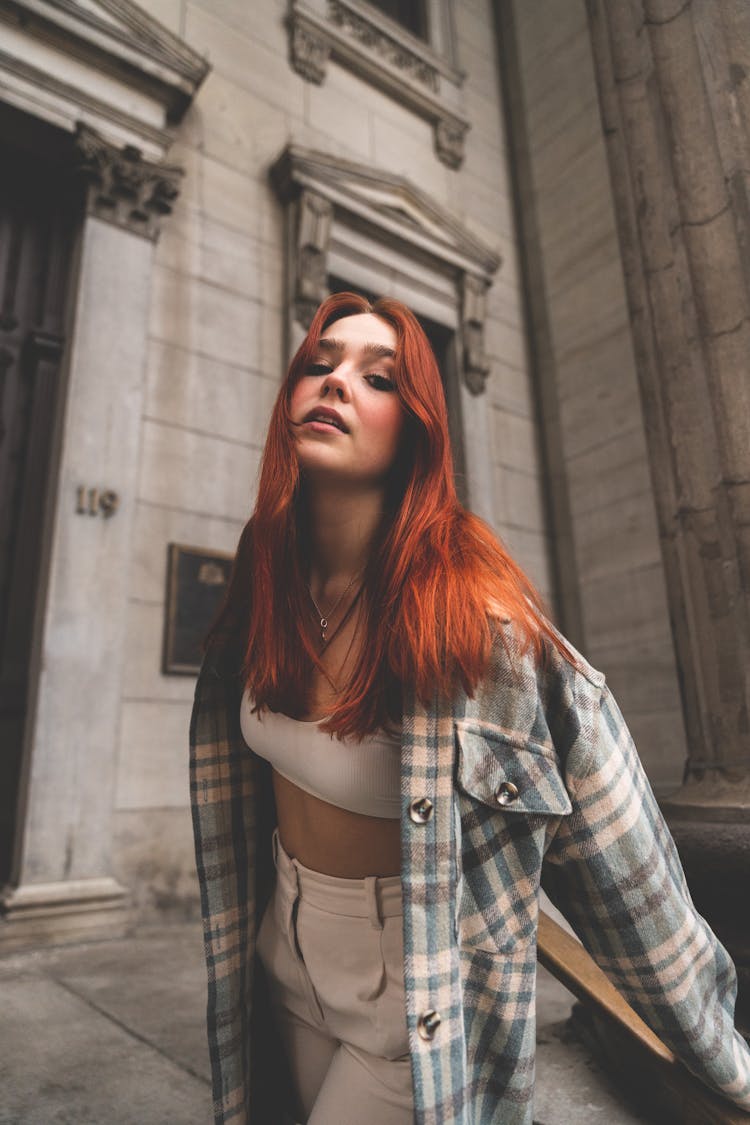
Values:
[(39, 218)]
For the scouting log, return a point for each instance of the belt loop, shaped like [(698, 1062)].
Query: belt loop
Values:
[(373, 909), (275, 847)]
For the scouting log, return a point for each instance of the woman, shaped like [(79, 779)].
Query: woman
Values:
[(422, 740)]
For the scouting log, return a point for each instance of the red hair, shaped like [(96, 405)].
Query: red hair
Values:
[(435, 573)]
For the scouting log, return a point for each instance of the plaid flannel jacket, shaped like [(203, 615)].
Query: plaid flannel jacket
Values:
[(584, 824)]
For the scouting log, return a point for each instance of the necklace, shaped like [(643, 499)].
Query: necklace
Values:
[(324, 617)]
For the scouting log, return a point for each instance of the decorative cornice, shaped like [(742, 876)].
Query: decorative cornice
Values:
[(122, 187), (387, 202), (75, 100), (331, 200), (376, 38), (153, 38), (114, 38), (116, 32), (359, 37)]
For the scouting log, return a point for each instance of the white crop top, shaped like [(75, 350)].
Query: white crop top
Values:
[(363, 777)]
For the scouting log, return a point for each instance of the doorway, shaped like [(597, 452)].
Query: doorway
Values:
[(40, 215)]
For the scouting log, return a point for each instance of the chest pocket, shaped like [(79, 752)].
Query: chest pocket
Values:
[(509, 797)]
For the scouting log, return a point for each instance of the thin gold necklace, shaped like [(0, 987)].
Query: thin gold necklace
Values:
[(324, 617)]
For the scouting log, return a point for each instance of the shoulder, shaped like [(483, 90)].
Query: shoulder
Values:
[(512, 647), (543, 695)]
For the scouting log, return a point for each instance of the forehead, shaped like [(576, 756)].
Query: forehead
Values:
[(360, 330)]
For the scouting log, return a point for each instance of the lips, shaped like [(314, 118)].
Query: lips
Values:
[(323, 414)]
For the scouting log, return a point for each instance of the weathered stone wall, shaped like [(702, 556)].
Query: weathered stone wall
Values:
[(215, 355), (589, 374)]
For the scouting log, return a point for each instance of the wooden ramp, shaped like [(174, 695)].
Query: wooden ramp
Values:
[(631, 1049)]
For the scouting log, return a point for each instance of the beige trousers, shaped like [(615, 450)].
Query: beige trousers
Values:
[(333, 952)]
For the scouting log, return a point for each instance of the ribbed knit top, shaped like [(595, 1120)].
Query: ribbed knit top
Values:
[(363, 777)]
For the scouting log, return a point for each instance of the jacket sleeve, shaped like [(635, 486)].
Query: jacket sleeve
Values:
[(221, 791), (613, 870)]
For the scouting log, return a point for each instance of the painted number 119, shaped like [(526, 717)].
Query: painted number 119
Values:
[(93, 502)]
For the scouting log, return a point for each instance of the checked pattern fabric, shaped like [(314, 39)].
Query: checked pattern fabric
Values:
[(533, 782)]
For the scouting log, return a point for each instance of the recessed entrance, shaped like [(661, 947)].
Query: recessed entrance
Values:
[(40, 214)]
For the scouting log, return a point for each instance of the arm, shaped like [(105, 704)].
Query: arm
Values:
[(613, 870)]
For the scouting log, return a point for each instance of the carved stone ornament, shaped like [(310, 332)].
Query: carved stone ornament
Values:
[(122, 187), (315, 215), (377, 40), (420, 77), (449, 141), (473, 314), (309, 53)]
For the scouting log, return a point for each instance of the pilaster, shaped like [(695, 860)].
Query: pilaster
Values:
[(690, 309), (672, 99)]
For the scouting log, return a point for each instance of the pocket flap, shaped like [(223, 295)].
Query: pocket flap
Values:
[(509, 777)]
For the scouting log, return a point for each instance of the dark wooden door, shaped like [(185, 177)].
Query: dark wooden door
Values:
[(39, 220)]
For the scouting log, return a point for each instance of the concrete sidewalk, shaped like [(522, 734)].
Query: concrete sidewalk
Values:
[(112, 1033)]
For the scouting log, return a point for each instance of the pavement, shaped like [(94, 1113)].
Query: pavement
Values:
[(112, 1033)]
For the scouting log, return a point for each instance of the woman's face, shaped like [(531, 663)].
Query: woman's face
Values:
[(347, 415)]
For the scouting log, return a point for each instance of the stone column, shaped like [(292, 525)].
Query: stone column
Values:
[(62, 888), (674, 87)]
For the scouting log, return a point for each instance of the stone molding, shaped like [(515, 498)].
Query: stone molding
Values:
[(675, 145), (473, 314), (124, 52), (37, 914), (363, 39), (309, 52), (122, 187), (386, 201), (326, 197), (314, 218), (449, 142), (387, 45)]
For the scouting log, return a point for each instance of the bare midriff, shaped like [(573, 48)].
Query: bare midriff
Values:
[(320, 835), (326, 838)]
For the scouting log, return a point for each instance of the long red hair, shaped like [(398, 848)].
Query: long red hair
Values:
[(431, 585)]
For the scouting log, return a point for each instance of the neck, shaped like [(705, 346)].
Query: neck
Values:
[(342, 526)]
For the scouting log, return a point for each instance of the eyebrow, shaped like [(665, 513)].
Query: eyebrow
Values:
[(382, 351)]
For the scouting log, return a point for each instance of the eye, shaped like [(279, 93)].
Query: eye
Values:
[(318, 369), (381, 382)]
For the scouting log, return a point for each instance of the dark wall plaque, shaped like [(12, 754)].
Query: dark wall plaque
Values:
[(197, 580)]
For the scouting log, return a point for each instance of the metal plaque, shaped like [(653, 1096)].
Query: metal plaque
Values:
[(197, 580)]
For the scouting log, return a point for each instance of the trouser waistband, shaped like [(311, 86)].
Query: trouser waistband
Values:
[(374, 897)]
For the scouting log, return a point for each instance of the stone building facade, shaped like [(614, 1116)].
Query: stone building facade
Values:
[(203, 172)]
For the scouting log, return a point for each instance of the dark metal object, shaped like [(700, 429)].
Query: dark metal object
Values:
[(197, 580)]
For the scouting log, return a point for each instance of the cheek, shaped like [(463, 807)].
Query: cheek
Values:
[(296, 398), (389, 423), (398, 425)]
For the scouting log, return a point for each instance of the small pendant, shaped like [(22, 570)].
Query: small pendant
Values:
[(323, 636), (323, 623)]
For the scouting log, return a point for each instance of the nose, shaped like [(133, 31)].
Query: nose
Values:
[(336, 383)]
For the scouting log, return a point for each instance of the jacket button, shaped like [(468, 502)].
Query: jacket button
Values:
[(427, 1024), (421, 810), (506, 793)]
